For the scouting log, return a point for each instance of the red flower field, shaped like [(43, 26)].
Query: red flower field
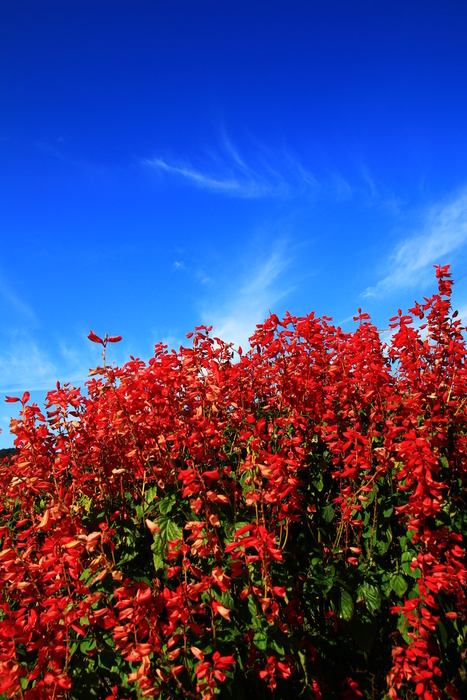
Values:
[(289, 524)]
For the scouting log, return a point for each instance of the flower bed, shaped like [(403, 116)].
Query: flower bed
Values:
[(287, 525)]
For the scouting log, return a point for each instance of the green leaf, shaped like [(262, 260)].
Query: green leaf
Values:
[(87, 645), (85, 575), (166, 504), (398, 584), (139, 512), (371, 596), (158, 552), (226, 600), (327, 513), (403, 628), (443, 518), (325, 579), (169, 530), (383, 543), (128, 556), (174, 531), (318, 484), (150, 494), (240, 524), (277, 647), (406, 560), (346, 606), (443, 635), (253, 612), (261, 641)]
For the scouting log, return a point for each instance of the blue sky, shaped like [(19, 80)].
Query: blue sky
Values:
[(166, 164)]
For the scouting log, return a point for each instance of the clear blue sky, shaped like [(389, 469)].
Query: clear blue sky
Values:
[(169, 163)]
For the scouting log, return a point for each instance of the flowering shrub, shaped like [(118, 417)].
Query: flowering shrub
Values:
[(288, 525)]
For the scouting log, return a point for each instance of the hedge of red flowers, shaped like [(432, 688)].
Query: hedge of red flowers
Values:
[(286, 523)]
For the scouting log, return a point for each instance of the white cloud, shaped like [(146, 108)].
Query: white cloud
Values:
[(340, 188), (25, 366), (13, 300), (210, 182), (443, 232), (256, 293), (278, 175), (367, 177), (76, 360), (199, 274), (202, 276)]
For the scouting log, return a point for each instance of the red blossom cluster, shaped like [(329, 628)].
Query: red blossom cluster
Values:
[(290, 523)]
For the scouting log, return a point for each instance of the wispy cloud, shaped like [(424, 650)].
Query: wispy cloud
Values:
[(369, 181), (340, 188), (255, 295), (202, 276), (25, 366), (14, 301), (196, 273), (29, 364), (444, 231), (263, 174)]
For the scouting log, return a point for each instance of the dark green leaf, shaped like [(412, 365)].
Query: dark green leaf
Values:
[(318, 484), (346, 606), (169, 529), (398, 584), (406, 560), (327, 513), (87, 645), (403, 628), (371, 596), (150, 494), (139, 512), (277, 647), (261, 641), (158, 552), (227, 600), (443, 635), (253, 611), (166, 504), (383, 542), (174, 532)]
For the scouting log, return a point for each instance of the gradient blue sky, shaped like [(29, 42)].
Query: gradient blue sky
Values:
[(169, 163)]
